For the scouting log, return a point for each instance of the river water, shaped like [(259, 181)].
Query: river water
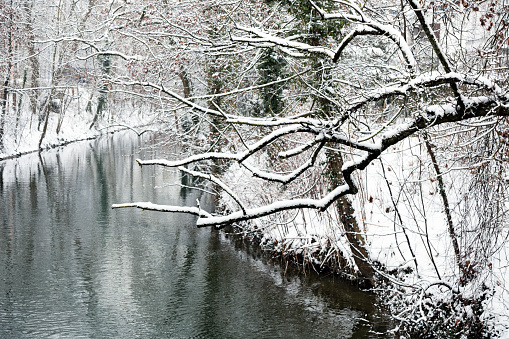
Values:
[(71, 267)]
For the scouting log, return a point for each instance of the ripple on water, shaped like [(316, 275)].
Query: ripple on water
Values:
[(71, 267)]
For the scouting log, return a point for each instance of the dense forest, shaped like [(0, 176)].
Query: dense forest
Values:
[(367, 138)]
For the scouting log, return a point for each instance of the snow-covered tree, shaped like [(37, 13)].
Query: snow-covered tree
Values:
[(360, 81)]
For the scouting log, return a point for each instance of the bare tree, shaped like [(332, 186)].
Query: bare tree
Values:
[(473, 97), (397, 70)]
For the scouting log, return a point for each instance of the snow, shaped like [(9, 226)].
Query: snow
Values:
[(165, 208), (317, 237), (75, 126)]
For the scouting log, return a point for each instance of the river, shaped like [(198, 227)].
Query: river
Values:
[(71, 267)]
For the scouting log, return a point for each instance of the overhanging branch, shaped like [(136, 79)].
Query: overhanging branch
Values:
[(431, 116)]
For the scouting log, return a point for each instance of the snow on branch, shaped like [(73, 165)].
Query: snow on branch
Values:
[(368, 27), (433, 115), (436, 47), (264, 37), (358, 31), (239, 157), (230, 118), (248, 89), (431, 37), (273, 121), (216, 181), (347, 16), (162, 89), (296, 150), (285, 179), (112, 53), (166, 208), (433, 79)]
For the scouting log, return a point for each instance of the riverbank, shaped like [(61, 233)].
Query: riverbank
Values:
[(73, 129), (410, 247), (70, 116), (401, 211)]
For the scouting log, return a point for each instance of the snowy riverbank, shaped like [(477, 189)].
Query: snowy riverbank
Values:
[(402, 214), (24, 132)]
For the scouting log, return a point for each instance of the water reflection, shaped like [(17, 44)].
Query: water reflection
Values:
[(71, 267)]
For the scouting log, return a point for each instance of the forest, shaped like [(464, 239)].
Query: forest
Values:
[(368, 139)]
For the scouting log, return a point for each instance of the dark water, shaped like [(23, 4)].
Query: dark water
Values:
[(71, 267)]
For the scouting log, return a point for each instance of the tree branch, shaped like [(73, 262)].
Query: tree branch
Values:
[(430, 116)]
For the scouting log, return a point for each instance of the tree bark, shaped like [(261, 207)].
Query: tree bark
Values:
[(34, 61), (445, 201), (346, 213), (5, 90)]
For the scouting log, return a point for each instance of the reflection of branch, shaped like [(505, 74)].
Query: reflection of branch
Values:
[(217, 182)]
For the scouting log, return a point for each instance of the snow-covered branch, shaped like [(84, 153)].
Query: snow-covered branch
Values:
[(368, 26), (285, 179), (216, 181), (239, 157), (263, 37), (433, 79), (432, 115), (165, 208)]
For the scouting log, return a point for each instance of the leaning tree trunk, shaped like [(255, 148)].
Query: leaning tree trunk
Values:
[(346, 213), (334, 160), (187, 121)]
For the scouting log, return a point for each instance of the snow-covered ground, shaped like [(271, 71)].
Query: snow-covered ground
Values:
[(402, 214), (23, 132)]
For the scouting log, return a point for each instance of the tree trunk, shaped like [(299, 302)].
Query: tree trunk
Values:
[(102, 101), (45, 117), (19, 104), (186, 83), (101, 105), (34, 61), (188, 121), (3, 115), (5, 91), (346, 213)]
